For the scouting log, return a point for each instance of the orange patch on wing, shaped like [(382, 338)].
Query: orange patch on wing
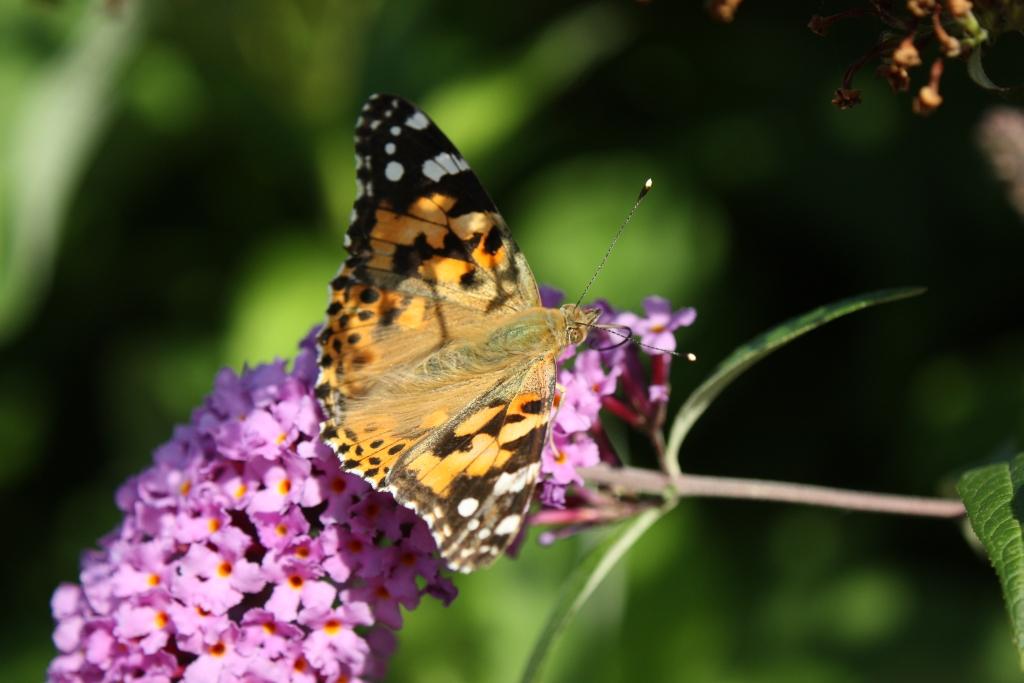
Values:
[(474, 422), (414, 315), (514, 430), (424, 465), (438, 473), (535, 416), (401, 229), (488, 452), (486, 259), (434, 419), (516, 406), (503, 457), (432, 208), (444, 269)]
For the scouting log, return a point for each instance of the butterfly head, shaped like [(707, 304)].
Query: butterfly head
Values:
[(578, 321)]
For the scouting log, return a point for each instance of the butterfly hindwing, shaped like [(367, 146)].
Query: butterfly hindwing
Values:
[(473, 478)]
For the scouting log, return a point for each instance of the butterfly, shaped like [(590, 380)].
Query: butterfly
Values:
[(437, 358)]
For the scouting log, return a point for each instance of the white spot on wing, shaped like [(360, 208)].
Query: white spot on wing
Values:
[(432, 170), (508, 525), (389, 148), (448, 162), (394, 171), (374, 124), (396, 130), (417, 121), (443, 164), (483, 534), (472, 524), (513, 482), (468, 506)]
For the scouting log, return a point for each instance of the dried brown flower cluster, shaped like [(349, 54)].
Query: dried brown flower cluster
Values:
[(723, 10), (946, 29)]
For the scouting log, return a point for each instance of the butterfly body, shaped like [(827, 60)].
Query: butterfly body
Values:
[(437, 358)]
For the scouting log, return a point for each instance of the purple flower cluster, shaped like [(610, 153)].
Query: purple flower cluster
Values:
[(246, 554), (610, 375)]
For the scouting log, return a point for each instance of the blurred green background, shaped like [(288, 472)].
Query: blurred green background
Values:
[(175, 185)]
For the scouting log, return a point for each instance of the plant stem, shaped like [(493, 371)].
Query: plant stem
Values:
[(703, 486)]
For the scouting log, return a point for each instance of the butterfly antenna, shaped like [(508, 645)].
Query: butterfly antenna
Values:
[(648, 184), (630, 337)]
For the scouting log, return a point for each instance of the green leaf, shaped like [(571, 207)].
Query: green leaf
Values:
[(750, 353), (977, 73), (59, 123), (992, 497), (584, 580)]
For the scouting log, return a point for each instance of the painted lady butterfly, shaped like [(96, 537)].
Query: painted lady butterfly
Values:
[(437, 360)]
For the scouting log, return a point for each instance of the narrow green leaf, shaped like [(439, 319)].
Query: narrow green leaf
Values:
[(977, 73), (750, 353), (60, 121), (992, 496), (584, 580)]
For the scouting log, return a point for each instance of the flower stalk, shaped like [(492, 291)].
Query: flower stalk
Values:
[(644, 481)]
